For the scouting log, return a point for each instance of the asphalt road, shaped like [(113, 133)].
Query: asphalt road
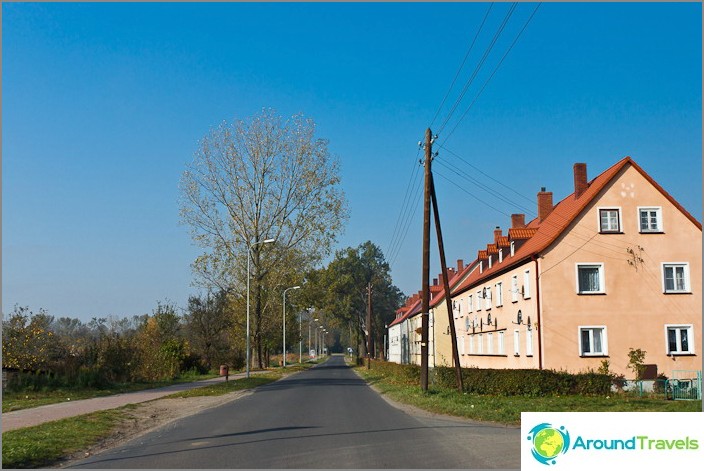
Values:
[(325, 417)]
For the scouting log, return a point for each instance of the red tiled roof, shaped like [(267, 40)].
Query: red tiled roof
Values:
[(522, 232), (541, 235), (504, 242)]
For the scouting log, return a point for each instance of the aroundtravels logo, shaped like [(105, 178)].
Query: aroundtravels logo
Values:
[(548, 442)]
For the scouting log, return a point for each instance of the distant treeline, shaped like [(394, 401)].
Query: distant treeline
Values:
[(151, 347)]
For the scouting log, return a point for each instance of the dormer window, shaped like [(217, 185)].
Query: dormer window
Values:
[(501, 255), (490, 257), (513, 248)]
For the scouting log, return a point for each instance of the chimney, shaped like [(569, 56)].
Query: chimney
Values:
[(460, 265), (580, 179), (544, 204), (435, 281), (442, 278), (497, 234), (518, 221)]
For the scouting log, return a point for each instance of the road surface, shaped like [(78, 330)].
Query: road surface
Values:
[(324, 417)]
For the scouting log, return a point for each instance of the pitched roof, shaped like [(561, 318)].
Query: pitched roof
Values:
[(541, 234)]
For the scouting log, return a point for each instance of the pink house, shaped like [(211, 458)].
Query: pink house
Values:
[(613, 266)]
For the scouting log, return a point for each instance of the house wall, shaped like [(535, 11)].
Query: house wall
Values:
[(503, 322), (395, 343), (633, 307)]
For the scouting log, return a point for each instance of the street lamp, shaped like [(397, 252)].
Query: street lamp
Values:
[(284, 350), (249, 257)]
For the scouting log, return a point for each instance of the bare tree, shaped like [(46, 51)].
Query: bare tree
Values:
[(263, 178)]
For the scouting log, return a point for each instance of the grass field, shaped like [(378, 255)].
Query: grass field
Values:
[(507, 410)]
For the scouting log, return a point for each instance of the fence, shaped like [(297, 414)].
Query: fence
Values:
[(685, 384)]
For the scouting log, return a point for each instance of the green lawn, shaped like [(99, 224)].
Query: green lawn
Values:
[(507, 410)]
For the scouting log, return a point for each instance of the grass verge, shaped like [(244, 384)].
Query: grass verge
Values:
[(41, 445), (12, 401), (507, 410)]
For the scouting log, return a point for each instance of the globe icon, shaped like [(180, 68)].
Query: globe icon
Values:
[(548, 443)]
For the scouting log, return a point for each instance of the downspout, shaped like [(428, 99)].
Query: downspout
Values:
[(540, 324)]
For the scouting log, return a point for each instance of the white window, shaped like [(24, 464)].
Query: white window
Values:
[(679, 339), (487, 297), (481, 266), (501, 342), (471, 304), (466, 324), (489, 343), (480, 344), (490, 257), (592, 341), (609, 220), (501, 255), (514, 288), (529, 342), (499, 294), (460, 345), (479, 300), (676, 277), (516, 342), (650, 219), (590, 278), (526, 284), (513, 248), (471, 344)]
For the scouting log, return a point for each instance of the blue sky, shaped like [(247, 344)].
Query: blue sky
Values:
[(103, 106)]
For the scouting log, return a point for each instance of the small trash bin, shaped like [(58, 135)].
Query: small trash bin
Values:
[(224, 370)]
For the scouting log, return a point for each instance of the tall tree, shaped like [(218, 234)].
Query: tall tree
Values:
[(341, 289), (263, 178)]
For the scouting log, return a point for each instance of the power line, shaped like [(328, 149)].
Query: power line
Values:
[(478, 67), (404, 205), (471, 46), (494, 72)]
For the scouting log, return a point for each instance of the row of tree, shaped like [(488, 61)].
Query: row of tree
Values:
[(209, 331), (262, 198)]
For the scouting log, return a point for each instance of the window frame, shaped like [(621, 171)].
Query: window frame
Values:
[(470, 304), (516, 343), (658, 211), (690, 339), (687, 280), (529, 342), (604, 341), (602, 279), (514, 288), (619, 219), (526, 284), (499, 293)]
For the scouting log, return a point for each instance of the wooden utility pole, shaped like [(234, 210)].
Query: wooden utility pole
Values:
[(446, 287), (369, 325), (425, 308)]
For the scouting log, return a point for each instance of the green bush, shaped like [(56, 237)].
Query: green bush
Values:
[(527, 382)]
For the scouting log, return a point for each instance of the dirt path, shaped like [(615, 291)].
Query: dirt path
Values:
[(148, 416)]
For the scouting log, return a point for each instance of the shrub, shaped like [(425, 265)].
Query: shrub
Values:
[(529, 383)]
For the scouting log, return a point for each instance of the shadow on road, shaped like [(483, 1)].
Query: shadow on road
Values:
[(276, 439)]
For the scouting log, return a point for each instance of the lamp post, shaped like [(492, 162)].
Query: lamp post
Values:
[(284, 350), (249, 257), (321, 340)]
